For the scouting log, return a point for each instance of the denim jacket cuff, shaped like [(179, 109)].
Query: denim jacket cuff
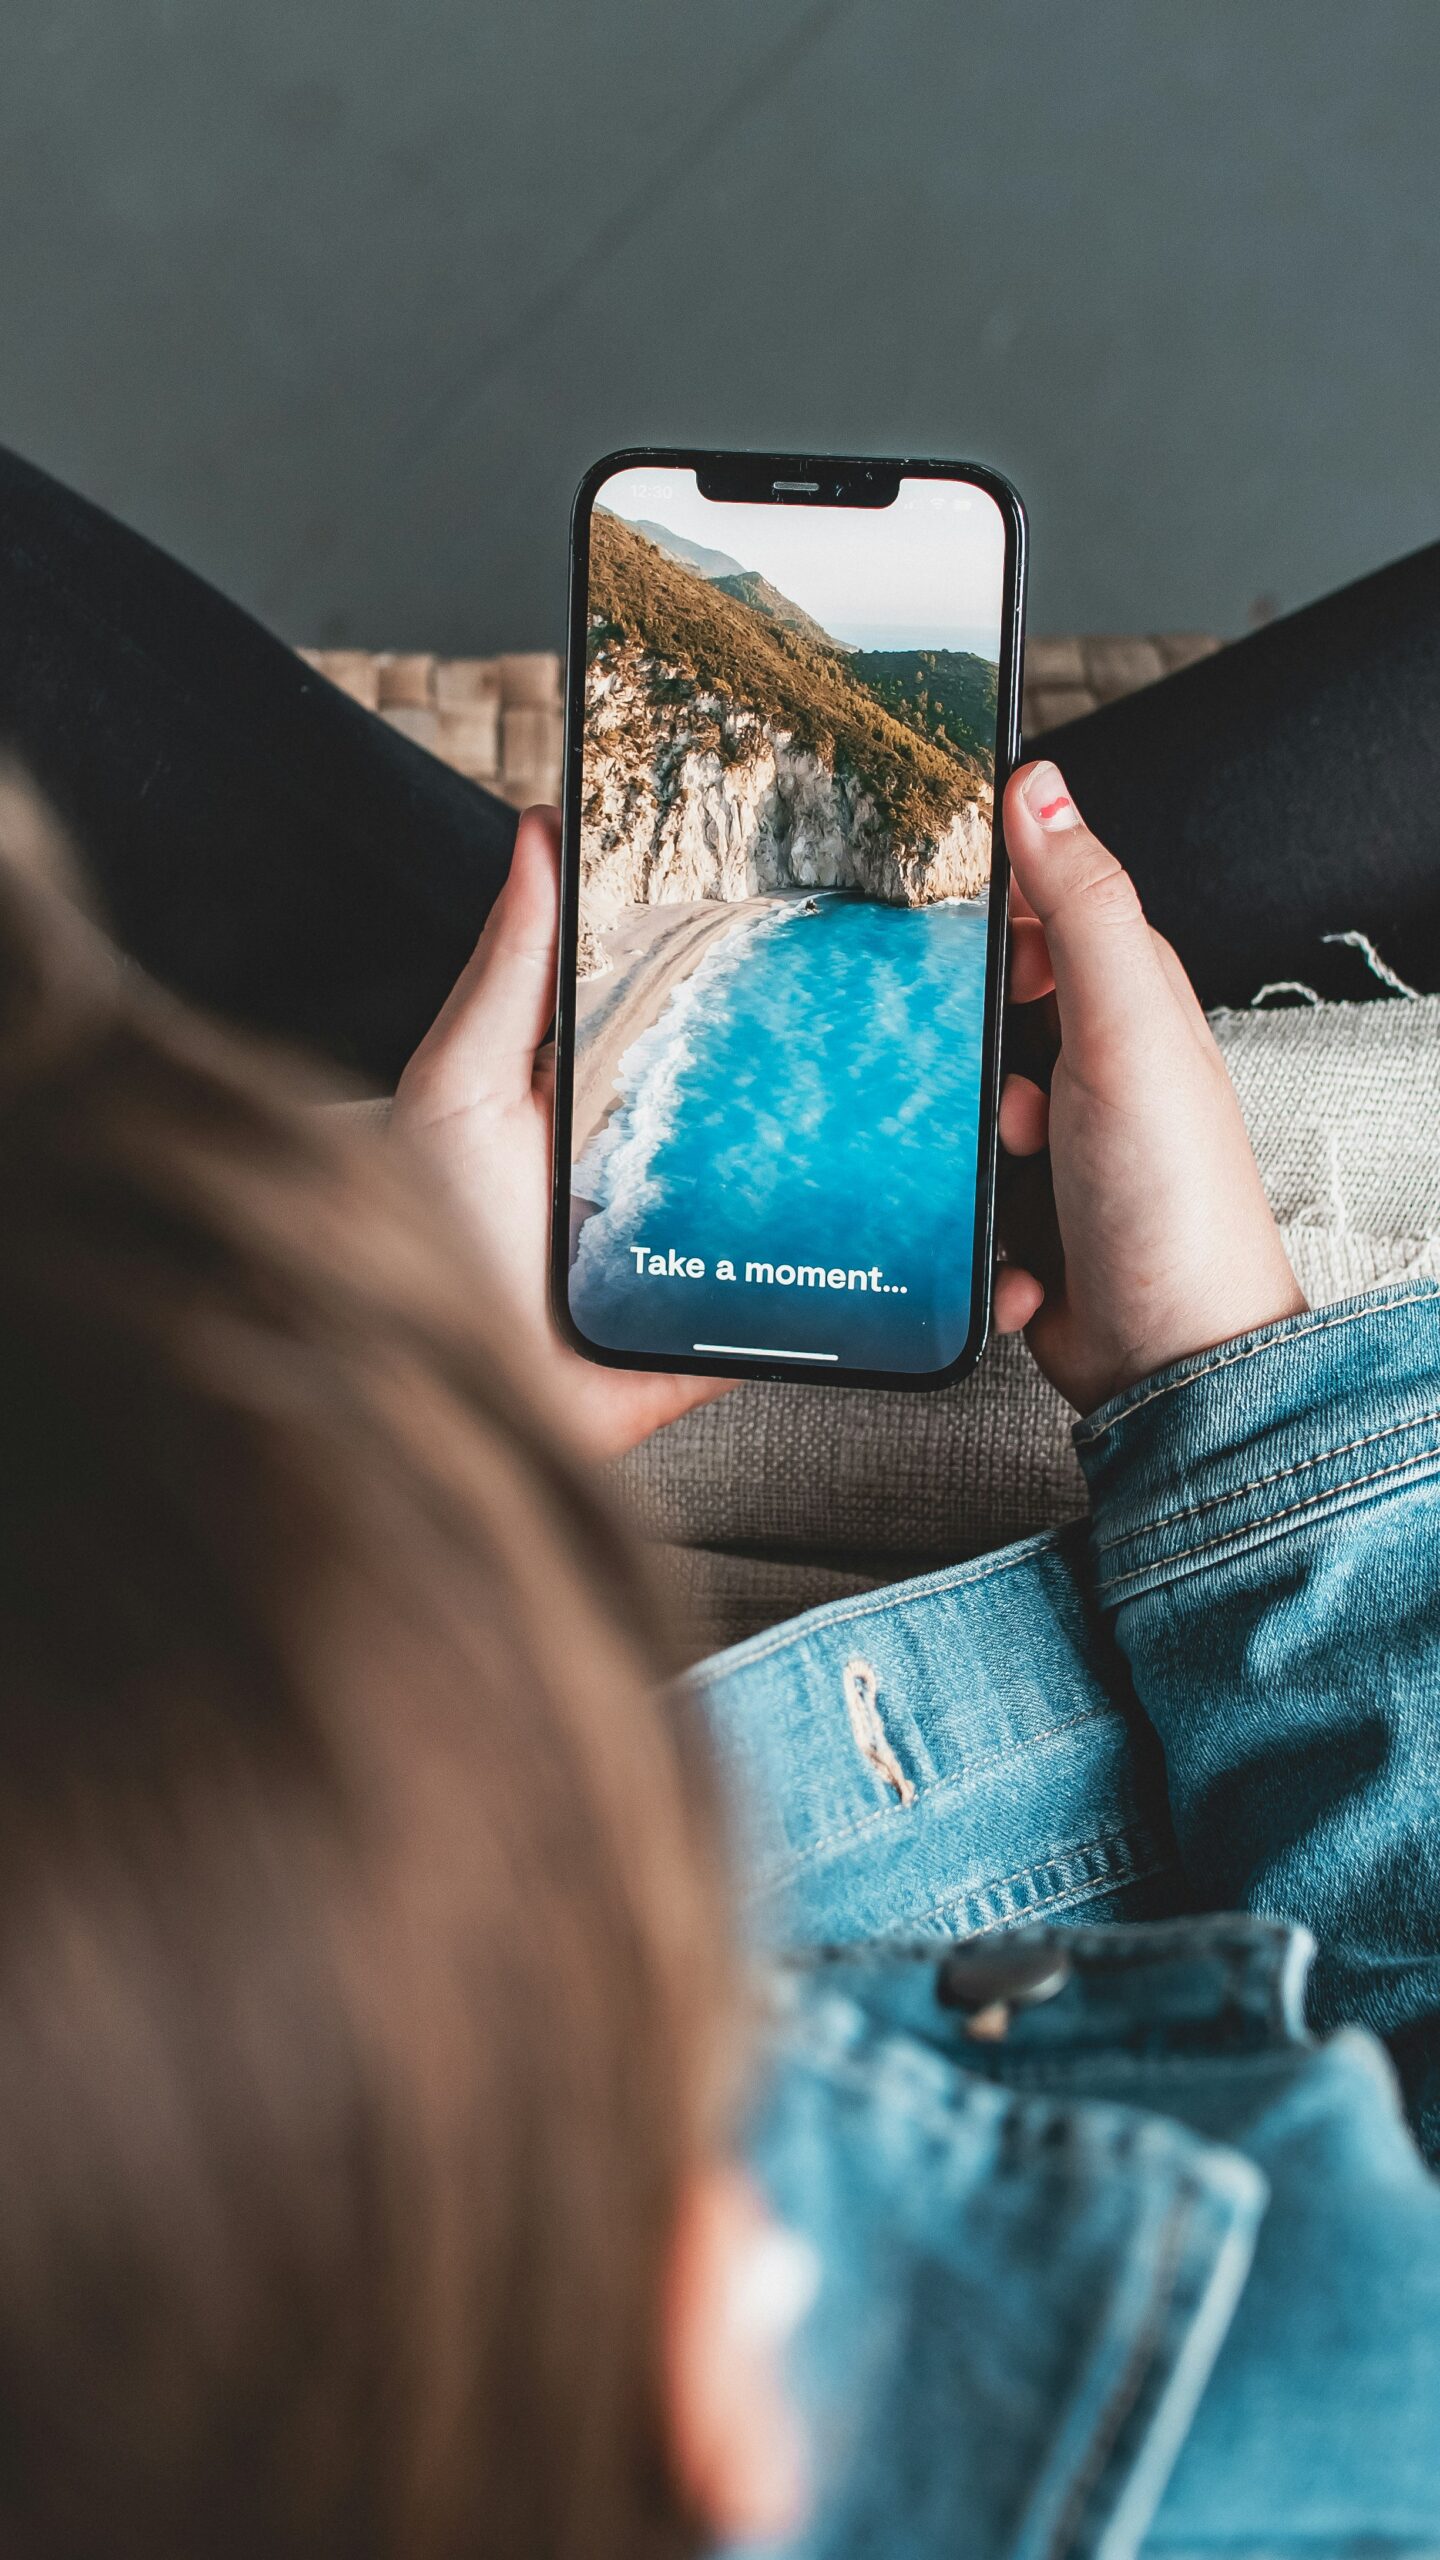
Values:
[(1263, 1434)]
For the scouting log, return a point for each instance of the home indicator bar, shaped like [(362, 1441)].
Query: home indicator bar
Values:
[(761, 1351)]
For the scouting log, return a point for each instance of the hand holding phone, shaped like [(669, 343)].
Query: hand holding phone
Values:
[(1137, 1166), (1142, 1233)]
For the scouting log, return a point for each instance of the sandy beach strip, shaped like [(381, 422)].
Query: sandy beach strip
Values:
[(653, 950)]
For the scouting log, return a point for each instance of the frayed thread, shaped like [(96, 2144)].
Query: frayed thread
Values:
[(1354, 940), (1284, 987), (1387, 976)]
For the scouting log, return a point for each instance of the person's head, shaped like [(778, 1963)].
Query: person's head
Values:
[(367, 2019)]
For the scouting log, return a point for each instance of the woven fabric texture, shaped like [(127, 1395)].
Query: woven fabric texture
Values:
[(1065, 678), (499, 720)]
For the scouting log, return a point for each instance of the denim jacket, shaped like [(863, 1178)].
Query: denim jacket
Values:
[(1128, 2236)]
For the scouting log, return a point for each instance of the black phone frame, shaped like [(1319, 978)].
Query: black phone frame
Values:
[(845, 480)]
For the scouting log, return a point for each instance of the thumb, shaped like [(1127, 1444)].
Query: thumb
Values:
[(481, 1046), (1101, 948)]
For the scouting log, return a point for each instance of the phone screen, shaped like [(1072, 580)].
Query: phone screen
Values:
[(774, 1054)]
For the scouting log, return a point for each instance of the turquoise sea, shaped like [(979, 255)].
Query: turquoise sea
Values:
[(804, 1113)]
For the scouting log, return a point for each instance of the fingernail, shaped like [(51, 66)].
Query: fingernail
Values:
[(1047, 799)]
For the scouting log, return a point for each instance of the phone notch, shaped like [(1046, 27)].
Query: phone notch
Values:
[(796, 480)]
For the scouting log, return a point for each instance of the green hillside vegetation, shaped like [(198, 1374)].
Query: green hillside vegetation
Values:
[(947, 694), (748, 587), (718, 643)]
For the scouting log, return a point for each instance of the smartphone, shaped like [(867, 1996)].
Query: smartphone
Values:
[(792, 702)]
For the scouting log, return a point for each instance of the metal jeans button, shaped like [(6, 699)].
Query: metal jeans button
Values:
[(990, 1977)]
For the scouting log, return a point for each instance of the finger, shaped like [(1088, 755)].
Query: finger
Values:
[(483, 1044), (1031, 975), (1025, 1220), (1019, 904), (1105, 962), (1031, 1041), (1024, 1117), (614, 1410), (1018, 1297)]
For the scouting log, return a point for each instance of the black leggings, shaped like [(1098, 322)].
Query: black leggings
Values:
[(272, 850)]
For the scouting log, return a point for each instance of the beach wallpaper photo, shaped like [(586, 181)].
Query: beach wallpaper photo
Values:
[(785, 851)]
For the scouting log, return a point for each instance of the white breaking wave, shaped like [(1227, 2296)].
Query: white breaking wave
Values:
[(615, 1169)]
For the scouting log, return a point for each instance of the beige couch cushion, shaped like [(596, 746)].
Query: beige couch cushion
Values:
[(781, 1497)]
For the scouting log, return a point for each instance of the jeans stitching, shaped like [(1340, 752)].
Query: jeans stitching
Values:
[(878, 1955), (1086, 1434), (1259, 1484), (1066, 1893), (1107, 1948), (897, 1596), (938, 1788), (1267, 1519)]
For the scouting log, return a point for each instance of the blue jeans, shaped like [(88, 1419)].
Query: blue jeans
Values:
[(1128, 2233)]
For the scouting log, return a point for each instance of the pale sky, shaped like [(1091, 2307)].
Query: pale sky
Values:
[(926, 572)]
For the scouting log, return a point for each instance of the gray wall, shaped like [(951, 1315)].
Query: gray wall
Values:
[(336, 297)]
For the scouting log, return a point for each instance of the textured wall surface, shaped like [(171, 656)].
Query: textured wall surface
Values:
[(337, 299)]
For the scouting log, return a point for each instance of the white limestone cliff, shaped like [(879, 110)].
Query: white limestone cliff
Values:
[(689, 797)]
